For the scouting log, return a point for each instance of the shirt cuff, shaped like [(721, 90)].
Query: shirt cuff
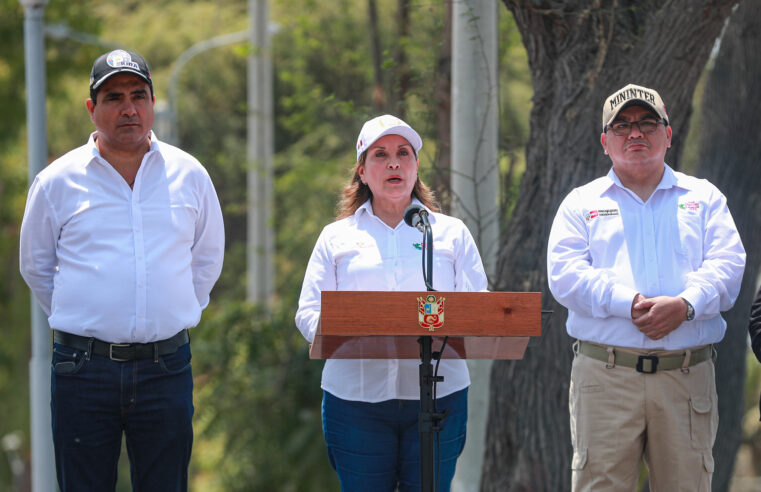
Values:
[(694, 296), (621, 301)]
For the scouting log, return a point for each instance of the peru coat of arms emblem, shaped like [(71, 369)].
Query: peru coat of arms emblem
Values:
[(430, 312)]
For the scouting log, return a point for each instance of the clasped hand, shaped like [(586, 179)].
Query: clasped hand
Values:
[(658, 316)]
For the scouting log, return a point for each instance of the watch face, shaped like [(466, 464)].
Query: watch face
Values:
[(690, 312)]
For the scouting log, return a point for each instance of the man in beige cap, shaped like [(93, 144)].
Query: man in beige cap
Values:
[(645, 259)]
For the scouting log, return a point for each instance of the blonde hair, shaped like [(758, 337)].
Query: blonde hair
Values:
[(355, 193)]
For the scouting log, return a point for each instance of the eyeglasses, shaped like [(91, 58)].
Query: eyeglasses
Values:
[(624, 128)]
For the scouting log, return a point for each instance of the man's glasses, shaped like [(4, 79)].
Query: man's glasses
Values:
[(624, 128)]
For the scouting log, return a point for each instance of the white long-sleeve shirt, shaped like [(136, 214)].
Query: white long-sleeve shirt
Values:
[(361, 252), (606, 246), (118, 264)]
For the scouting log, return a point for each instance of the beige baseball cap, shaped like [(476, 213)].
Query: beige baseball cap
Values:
[(384, 125), (632, 95)]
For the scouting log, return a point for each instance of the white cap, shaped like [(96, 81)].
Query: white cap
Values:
[(384, 125), (632, 95)]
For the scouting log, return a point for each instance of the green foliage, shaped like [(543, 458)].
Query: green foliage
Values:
[(264, 402)]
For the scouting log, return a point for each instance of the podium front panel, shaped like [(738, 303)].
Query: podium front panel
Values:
[(481, 314)]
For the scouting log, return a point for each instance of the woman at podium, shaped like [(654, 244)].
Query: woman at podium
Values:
[(370, 407)]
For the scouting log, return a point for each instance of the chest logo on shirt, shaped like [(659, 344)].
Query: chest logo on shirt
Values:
[(603, 212), (690, 206), (430, 312)]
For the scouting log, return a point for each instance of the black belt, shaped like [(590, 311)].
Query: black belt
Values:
[(122, 352), (645, 363)]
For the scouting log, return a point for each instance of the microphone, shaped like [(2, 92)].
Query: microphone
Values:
[(417, 217)]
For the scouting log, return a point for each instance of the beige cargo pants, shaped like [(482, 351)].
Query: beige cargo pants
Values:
[(620, 416)]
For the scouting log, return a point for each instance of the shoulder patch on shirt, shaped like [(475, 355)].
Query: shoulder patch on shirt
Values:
[(603, 212), (691, 206)]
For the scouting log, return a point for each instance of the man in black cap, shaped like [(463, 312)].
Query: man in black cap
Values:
[(645, 259), (121, 243)]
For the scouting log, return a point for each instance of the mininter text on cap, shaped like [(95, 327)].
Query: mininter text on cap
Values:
[(632, 95), (118, 61), (381, 126)]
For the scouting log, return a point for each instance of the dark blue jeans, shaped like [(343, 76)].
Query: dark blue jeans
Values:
[(376, 446), (94, 401)]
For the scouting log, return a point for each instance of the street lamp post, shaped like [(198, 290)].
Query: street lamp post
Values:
[(260, 150), (64, 31), (179, 64), (43, 462)]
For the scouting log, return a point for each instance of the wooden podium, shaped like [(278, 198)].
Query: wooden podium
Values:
[(386, 325), (405, 325)]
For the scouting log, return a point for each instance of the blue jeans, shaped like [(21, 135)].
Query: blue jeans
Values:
[(94, 401), (375, 447)]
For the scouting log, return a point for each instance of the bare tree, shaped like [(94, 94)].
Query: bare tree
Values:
[(579, 52), (402, 84), (443, 100), (730, 152), (400, 79), (379, 92)]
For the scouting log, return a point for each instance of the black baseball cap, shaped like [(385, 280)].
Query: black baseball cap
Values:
[(118, 61)]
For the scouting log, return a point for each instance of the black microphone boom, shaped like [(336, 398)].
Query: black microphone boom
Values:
[(417, 217)]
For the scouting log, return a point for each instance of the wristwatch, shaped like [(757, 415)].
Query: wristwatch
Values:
[(690, 310)]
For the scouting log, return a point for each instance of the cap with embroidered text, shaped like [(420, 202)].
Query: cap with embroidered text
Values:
[(384, 125), (629, 96)]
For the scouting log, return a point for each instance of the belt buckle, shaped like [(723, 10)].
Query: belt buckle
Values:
[(653, 363), (111, 351)]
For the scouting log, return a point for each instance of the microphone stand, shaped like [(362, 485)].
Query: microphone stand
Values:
[(429, 419), (427, 255)]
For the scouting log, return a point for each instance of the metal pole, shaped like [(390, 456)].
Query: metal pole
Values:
[(260, 249), (427, 422), (43, 462), (172, 135), (475, 185)]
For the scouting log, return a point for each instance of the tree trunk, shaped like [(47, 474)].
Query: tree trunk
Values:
[(379, 93), (579, 52), (402, 84), (443, 97), (729, 157)]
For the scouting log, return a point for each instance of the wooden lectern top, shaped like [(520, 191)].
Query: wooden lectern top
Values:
[(386, 325)]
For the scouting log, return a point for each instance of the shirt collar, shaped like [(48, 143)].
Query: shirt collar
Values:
[(367, 207), (93, 149), (668, 180)]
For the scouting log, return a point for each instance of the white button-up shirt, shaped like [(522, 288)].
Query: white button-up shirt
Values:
[(119, 264), (606, 245), (361, 252)]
